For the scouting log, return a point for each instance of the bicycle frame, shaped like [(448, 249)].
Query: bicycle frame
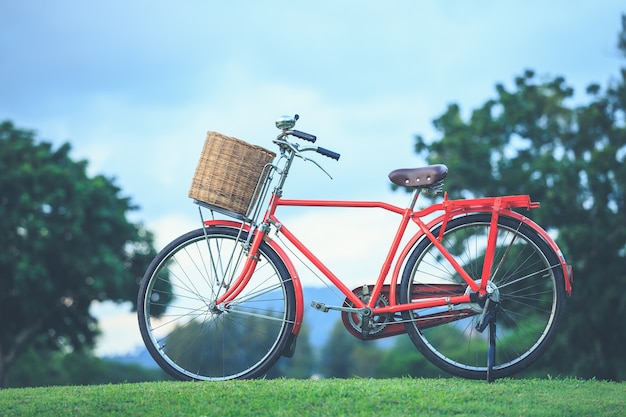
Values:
[(226, 302), (496, 206)]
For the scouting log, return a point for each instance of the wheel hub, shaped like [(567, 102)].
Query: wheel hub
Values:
[(492, 292)]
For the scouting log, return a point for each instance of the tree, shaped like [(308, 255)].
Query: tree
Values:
[(344, 356), (302, 364), (47, 368), (403, 359), (530, 141), (65, 242)]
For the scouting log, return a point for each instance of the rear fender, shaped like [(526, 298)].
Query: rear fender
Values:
[(568, 273), (567, 269), (297, 285)]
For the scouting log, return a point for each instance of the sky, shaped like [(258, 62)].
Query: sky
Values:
[(135, 86)]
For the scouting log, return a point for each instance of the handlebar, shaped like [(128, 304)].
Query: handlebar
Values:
[(302, 135), (281, 141), (286, 124), (328, 153)]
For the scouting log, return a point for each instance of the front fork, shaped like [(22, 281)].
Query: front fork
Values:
[(255, 238)]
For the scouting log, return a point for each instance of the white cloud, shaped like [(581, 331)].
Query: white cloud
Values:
[(169, 227), (120, 329)]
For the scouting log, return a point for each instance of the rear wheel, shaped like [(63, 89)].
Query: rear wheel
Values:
[(190, 336), (527, 279)]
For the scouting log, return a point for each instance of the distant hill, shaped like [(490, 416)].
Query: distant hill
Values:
[(141, 356)]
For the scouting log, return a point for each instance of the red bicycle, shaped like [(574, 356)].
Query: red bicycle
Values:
[(480, 289)]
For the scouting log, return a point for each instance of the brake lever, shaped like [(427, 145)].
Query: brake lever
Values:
[(305, 159), (295, 148)]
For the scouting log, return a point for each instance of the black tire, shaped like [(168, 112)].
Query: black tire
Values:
[(526, 275), (189, 336)]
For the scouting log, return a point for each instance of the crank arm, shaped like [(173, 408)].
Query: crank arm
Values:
[(325, 308)]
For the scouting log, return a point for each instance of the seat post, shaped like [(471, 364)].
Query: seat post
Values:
[(416, 194)]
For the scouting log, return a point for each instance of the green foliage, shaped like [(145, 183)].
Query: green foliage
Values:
[(302, 364), (345, 356), (403, 359), (530, 140), (192, 344), (65, 242), (47, 368), (333, 397)]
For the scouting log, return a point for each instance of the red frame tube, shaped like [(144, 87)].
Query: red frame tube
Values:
[(451, 208)]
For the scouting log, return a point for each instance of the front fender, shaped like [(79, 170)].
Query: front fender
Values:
[(297, 285)]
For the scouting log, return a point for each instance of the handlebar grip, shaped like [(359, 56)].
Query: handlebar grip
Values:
[(305, 136), (330, 154)]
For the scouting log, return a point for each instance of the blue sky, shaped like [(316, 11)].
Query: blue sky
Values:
[(134, 86)]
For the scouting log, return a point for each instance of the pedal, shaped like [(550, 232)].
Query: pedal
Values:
[(320, 306)]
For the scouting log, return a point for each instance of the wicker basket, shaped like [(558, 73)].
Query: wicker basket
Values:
[(228, 173)]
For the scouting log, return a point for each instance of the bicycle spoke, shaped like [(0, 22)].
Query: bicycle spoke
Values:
[(525, 279), (192, 338)]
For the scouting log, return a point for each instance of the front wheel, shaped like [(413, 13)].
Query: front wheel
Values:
[(527, 279), (190, 336)]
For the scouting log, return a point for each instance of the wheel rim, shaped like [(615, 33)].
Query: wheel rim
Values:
[(524, 280), (194, 338)]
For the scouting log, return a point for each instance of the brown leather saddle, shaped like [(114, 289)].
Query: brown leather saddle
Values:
[(419, 177)]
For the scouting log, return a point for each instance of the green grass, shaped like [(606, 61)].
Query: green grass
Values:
[(333, 397)]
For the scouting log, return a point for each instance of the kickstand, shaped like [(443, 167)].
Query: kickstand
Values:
[(488, 319), (491, 352)]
